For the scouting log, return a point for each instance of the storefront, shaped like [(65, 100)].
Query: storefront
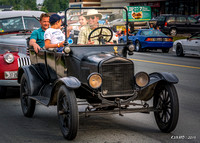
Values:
[(185, 7)]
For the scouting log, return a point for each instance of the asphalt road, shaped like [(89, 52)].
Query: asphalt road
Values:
[(132, 128)]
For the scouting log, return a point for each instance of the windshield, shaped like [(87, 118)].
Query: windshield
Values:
[(152, 33), (18, 23), (95, 26)]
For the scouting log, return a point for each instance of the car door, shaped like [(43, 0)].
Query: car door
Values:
[(181, 24), (194, 25)]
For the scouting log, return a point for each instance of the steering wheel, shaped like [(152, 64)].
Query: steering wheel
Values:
[(101, 37)]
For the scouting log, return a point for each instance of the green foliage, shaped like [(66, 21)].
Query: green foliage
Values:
[(20, 4), (56, 5)]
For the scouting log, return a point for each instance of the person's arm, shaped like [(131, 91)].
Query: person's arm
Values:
[(49, 45), (33, 43)]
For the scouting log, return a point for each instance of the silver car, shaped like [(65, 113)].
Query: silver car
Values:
[(15, 28), (190, 45)]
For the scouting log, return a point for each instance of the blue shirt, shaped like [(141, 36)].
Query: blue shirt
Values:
[(38, 35)]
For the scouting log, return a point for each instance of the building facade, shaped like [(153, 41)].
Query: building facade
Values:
[(185, 7)]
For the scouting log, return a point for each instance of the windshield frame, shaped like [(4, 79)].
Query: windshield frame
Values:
[(97, 8)]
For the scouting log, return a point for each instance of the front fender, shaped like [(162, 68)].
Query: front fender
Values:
[(69, 82), (166, 76), (147, 92)]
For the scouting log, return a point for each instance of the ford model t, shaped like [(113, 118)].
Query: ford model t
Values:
[(95, 69)]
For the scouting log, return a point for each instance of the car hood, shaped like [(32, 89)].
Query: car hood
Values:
[(90, 63), (14, 39)]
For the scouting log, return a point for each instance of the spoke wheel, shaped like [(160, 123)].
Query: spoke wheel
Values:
[(102, 38), (27, 104), (3, 90), (166, 101), (67, 111), (179, 50)]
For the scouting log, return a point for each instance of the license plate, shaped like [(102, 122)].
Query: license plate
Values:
[(10, 74)]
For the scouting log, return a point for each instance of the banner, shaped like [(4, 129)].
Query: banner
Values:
[(139, 13)]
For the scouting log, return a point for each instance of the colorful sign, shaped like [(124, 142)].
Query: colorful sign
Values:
[(139, 13)]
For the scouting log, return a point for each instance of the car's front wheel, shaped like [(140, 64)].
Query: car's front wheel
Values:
[(27, 104), (173, 32), (179, 50), (166, 102), (138, 46), (67, 111), (3, 90), (165, 50)]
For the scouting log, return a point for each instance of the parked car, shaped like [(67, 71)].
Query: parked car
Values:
[(190, 45), (102, 76), (149, 39), (173, 24), (15, 27)]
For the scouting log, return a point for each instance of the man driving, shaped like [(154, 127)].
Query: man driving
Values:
[(99, 36)]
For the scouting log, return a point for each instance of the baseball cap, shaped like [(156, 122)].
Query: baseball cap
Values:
[(54, 18)]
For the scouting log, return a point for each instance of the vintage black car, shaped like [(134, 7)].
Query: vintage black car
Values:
[(103, 76)]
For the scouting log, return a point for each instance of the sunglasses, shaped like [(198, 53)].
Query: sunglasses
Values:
[(92, 17)]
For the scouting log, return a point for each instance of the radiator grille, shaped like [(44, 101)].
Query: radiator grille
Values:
[(117, 77), (23, 61)]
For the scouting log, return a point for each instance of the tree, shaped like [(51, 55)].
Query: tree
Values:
[(20, 4), (56, 5)]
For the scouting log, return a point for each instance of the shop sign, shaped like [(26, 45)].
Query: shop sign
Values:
[(138, 13)]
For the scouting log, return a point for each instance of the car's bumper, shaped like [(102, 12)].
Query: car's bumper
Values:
[(9, 83), (158, 45)]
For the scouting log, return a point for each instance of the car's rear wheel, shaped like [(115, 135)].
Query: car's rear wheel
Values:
[(3, 90), (67, 110), (166, 101), (179, 50), (27, 104), (165, 50), (173, 32), (138, 46)]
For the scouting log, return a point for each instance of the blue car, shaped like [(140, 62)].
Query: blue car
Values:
[(149, 39)]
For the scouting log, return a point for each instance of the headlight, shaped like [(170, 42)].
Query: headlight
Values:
[(67, 50), (94, 80), (141, 79), (131, 48), (9, 58)]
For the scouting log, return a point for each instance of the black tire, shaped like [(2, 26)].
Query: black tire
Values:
[(179, 50), (173, 31), (121, 41), (27, 104), (165, 50), (67, 111), (166, 100), (138, 46), (3, 91)]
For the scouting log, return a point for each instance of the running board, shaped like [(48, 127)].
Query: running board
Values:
[(41, 99), (121, 111)]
